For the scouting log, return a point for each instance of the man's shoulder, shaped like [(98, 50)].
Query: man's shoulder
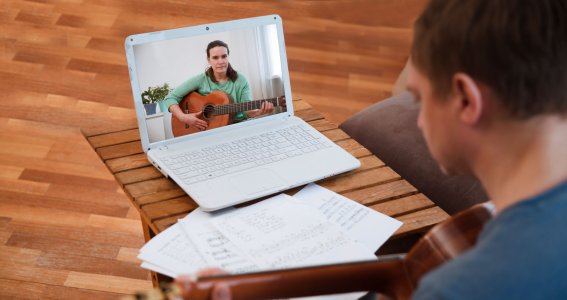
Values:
[(519, 253), (544, 210)]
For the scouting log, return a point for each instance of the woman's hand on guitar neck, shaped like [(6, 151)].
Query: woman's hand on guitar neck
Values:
[(192, 119), (266, 108)]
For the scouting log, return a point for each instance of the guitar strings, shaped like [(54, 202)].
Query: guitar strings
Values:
[(237, 107)]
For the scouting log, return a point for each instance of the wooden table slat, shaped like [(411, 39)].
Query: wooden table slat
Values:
[(421, 221), (150, 186), (346, 182), (163, 224), (381, 192), (168, 208), (369, 162), (323, 125), (120, 150), (114, 138), (127, 163), (309, 115), (336, 135), (137, 175), (299, 105), (354, 148), (159, 196), (403, 205)]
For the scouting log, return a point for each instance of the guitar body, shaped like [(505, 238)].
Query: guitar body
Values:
[(195, 102)]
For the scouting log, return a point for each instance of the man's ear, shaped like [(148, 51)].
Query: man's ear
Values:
[(469, 98)]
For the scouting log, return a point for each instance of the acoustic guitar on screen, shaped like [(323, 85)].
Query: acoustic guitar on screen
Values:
[(218, 110)]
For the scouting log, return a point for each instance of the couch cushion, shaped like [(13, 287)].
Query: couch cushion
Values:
[(389, 130)]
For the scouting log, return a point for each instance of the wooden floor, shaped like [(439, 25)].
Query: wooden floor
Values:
[(66, 229)]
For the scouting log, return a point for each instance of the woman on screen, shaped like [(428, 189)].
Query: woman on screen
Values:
[(219, 76)]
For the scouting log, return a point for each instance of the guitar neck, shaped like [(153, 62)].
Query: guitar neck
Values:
[(321, 280), (386, 276), (244, 106)]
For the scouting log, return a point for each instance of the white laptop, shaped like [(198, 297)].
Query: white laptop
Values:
[(233, 162)]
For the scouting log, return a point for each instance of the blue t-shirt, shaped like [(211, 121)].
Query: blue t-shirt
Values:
[(520, 254)]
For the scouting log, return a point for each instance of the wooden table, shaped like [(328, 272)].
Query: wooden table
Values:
[(161, 202)]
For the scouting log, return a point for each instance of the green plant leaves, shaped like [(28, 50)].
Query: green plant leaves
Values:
[(155, 94)]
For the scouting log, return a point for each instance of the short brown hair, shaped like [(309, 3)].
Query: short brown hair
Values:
[(516, 47)]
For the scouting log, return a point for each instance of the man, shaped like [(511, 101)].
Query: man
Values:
[(491, 77)]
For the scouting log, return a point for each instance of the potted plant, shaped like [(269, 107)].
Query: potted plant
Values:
[(154, 95)]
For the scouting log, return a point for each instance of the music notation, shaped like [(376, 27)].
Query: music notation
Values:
[(314, 227), (361, 223), (214, 247), (171, 253), (288, 233)]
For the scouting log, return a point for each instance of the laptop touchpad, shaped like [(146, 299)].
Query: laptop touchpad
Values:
[(257, 181)]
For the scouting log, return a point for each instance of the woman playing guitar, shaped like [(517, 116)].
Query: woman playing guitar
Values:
[(220, 76)]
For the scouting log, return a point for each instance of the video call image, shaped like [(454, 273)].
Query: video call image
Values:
[(209, 81)]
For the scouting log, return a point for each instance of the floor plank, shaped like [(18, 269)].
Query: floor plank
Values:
[(59, 217), (106, 283)]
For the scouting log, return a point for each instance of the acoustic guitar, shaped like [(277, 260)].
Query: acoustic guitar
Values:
[(218, 110), (395, 276)]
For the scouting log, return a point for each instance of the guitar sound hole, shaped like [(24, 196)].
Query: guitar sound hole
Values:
[(208, 111)]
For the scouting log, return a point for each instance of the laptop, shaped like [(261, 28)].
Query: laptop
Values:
[(231, 162)]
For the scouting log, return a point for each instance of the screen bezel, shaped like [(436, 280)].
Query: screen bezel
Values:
[(200, 30)]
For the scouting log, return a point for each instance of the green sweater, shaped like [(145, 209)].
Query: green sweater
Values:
[(239, 90)]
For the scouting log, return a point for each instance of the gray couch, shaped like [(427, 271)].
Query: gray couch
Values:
[(389, 130)]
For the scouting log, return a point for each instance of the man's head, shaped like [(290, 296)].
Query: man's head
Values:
[(518, 48), (481, 58)]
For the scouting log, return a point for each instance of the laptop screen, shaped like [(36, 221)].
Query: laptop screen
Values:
[(206, 78)]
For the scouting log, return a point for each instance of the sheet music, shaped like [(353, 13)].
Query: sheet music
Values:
[(172, 251), (315, 227), (363, 224), (281, 232), (214, 247)]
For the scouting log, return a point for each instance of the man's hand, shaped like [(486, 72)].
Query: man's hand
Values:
[(221, 291)]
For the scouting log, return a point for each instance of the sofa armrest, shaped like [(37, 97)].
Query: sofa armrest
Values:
[(389, 130)]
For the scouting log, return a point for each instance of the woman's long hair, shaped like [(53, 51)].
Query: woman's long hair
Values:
[(230, 72)]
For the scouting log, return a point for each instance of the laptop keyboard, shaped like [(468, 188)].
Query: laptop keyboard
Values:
[(246, 153)]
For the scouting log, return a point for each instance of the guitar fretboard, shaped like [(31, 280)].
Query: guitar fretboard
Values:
[(244, 106)]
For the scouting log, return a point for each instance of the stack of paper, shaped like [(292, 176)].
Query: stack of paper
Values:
[(314, 227)]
